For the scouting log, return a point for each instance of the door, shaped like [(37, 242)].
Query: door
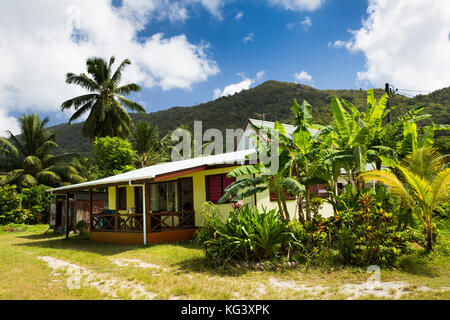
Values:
[(186, 206)]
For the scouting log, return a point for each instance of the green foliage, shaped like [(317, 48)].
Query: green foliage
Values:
[(113, 156), (149, 147), (38, 201), (272, 98), (27, 158), (247, 235), (210, 213), (9, 199), (105, 100), (18, 216)]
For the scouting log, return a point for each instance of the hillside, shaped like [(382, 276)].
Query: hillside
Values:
[(272, 98)]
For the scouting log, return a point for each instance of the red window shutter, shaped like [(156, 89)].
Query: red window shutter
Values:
[(273, 196), (227, 181), (214, 188)]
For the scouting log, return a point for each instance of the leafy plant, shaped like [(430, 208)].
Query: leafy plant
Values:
[(421, 182), (38, 201), (113, 156), (249, 235)]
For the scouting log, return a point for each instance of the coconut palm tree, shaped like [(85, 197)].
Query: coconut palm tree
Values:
[(422, 182), (25, 160), (105, 100), (149, 147)]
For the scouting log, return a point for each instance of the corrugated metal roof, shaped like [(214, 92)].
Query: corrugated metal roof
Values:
[(237, 157)]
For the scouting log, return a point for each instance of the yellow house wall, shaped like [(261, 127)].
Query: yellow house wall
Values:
[(199, 187), (112, 198)]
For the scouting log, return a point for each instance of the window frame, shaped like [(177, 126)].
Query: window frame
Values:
[(119, 198), (222, 176)]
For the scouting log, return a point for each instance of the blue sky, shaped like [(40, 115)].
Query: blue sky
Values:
[(186, 52), (275, 49)]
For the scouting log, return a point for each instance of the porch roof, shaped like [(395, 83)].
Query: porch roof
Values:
[(152, 172)]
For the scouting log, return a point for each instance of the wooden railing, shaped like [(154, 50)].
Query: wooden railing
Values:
[(117, 223), (160, 221), (134, 223)]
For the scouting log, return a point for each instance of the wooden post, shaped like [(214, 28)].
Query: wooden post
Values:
[(147, 205), (116, 218), (67, 215), (91, 209)]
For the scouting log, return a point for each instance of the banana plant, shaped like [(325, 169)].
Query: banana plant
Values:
[(253, 179)]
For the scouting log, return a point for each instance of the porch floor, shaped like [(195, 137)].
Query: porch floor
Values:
[(126, 238)]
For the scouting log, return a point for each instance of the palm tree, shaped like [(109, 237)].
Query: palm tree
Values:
[(150, 148), (422, 182), (105, 100), (26, 160)]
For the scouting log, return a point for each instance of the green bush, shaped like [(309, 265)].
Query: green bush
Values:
[(9, 199), (248, 235), (210, 212), (369, 235), (113, 156), (16, 216), (38, 201)]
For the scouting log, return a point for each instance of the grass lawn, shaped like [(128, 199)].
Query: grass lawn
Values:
[(35, 266)]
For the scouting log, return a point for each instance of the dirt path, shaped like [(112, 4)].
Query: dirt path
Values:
[(106, 284)]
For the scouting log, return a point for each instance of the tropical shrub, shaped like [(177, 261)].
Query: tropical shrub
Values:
[(16, 216), (9, 200), (210, 213), (248, 235), (369, 235), (38, 201), (422, 182), (113, 156)]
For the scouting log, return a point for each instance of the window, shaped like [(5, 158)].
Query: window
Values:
[(216, 185), (319, 190), (138, 200), (164, 197), (122, 198), (289, 196)]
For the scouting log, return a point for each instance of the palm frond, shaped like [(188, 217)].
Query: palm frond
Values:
[(131, 105)]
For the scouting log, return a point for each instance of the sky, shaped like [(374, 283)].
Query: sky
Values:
[(187, 52)]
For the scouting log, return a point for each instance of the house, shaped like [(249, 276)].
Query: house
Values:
[(163, 203)]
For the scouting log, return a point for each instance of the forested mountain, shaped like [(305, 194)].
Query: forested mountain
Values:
[(272, 99)]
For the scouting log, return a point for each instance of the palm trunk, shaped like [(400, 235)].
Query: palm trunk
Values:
[(308, 203), (280, 207), (301, 216), (429, 236), (283, 201)]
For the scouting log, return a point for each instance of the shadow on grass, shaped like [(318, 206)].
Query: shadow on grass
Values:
[(75, 242), (417, 265)]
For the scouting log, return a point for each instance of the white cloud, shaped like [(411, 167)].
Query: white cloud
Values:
[(290, 26), (239, 15), (8, 123), (302, 76), (213, 6), (250, 37), (298, 5), (245, 84), (405, 43), (306, 23), (340, 44), (260, 75), (40, 41)]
